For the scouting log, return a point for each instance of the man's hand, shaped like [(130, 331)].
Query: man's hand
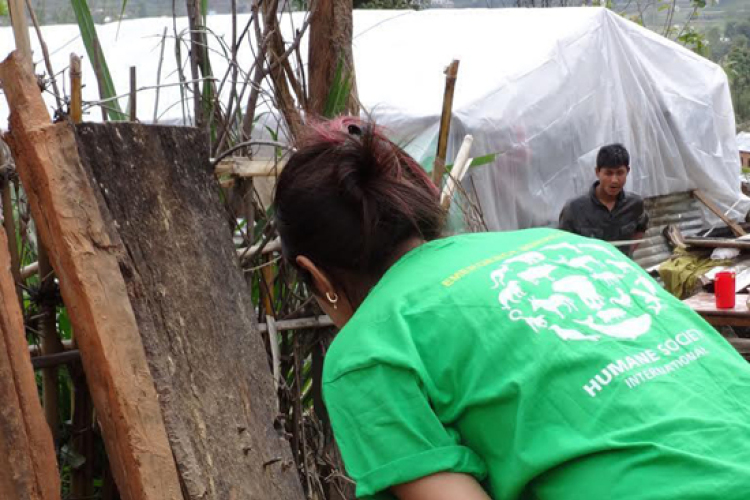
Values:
[(441, 486)]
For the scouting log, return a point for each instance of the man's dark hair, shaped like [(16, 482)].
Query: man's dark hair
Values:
[(613, 156)]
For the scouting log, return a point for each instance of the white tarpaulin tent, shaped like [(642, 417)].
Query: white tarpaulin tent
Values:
[(541, 88), (743, 141), (545, 88)]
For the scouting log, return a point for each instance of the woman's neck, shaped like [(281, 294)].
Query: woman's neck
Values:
[(404, 248)]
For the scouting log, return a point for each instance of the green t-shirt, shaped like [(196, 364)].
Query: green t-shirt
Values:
[(548, 366)]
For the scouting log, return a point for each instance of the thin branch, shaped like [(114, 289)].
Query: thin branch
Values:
[(45, 53), (158, 73), (148, 87)]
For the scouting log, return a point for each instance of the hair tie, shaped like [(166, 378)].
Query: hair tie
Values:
[(354, 130)]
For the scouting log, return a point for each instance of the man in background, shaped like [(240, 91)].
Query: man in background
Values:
[(607, 212)]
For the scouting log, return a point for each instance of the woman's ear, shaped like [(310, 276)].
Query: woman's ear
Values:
[(333, 302), (320, 281)]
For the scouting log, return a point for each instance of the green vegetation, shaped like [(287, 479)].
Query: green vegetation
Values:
[(729, 46)]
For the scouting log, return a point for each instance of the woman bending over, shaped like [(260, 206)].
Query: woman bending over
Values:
[(531, 364)]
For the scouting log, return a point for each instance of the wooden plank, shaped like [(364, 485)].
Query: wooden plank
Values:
[(65, 210), (736, 229), (193, 309), (705, 304), (28, 469)]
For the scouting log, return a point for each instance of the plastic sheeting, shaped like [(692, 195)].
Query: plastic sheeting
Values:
[(544, 89), (743, 141), (541, 88)]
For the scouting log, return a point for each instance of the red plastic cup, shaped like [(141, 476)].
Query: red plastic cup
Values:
[(724, 290)]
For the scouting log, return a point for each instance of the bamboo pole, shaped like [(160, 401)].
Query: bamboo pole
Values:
[(76, 98), (20, 25), (460, 166), (438, 170)]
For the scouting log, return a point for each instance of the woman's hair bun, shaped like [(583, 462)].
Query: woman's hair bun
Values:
[(348, 197)]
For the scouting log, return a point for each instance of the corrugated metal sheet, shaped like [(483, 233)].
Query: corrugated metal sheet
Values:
[(679, 209)]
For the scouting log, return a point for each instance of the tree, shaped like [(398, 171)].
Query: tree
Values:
[(737, 66)]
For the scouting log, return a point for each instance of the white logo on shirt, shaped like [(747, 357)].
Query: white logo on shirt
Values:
[(576, 306)]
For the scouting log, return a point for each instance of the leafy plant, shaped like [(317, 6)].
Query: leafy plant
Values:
[(338, 95), (98, 61)]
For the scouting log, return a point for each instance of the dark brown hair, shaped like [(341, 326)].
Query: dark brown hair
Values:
[(348, 198)]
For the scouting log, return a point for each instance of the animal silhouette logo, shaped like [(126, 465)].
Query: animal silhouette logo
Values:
[(577, 291)]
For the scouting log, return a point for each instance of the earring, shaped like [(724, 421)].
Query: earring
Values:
[(333, 300)]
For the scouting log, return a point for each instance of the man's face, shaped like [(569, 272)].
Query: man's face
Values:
[(612, 180)]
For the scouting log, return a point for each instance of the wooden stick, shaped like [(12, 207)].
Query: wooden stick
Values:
[(6, 199), (36, 350), (246, 253), (52, 361), (83, 442), (29, 271), (273, 340), (67, 214), (298, 324), (158, 75), (451, 74), (133, 94), (51, 344), (716, 243), (76, 97), (27, 456), (736, 229)]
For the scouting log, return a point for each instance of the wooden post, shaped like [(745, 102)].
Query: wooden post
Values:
[(82, 478), (66, 212), (438, 169), (27, 456), (193, 307)]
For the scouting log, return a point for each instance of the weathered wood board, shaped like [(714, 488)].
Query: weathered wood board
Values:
[(84, 257), (193, 309), (28, 469)]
